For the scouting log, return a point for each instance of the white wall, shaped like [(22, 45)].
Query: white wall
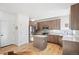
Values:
[(64, 20)]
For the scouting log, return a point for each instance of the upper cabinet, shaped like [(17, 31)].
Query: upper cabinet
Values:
[(74, 21), (50, 24)]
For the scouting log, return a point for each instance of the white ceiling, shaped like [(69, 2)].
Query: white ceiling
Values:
[(38, 10)]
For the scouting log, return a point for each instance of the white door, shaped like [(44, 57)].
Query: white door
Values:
[(4, 33), (23, 36)]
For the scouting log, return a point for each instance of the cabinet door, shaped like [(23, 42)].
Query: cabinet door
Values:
[(53, 38), (70, 47), (75, 17)]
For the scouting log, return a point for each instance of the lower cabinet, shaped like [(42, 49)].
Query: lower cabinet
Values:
[(70, 47), (55, 39)]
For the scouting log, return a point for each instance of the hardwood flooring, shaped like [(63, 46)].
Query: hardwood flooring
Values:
[(6, 49), (29, 49)]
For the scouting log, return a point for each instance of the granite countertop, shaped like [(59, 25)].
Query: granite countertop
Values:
[(66, 36), (71, 38), (74, 38), (56, 34), (40, 35)]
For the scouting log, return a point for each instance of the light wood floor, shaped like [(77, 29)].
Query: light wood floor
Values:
[(29, 49)]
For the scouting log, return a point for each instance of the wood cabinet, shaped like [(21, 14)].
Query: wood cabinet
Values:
[(70, 47), (51, 24), (74, 22), (55, 39)]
